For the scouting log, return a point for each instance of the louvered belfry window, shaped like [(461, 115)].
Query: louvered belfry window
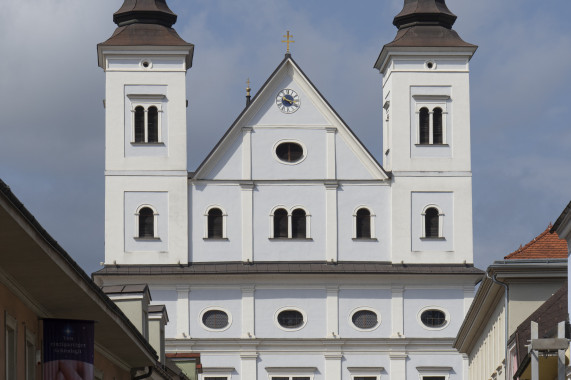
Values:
[(437, 126), (215, 224), (431, 223), (280, 223), (298, 229), (139, 124), (153, 125), (146, 223), (363, 223), (424, 126)]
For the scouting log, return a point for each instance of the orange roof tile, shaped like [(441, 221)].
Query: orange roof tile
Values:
[(545, 246)]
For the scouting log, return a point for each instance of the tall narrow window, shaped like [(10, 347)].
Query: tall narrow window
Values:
[(437, 126), (298, 225), (146, 223), (280, 223), (363, 223), (139, 124), (431, 220), (11, 346), (215, 224), (153, 125), (424, 126)]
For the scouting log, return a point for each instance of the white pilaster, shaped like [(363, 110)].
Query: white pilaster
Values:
[(397, 312), (468, 298), (247, 215), (182, 312), (398, 365), (331, 153), (248, 312), (332, 312), (333, 365), (331, 221), (247, 153), (248, 362)]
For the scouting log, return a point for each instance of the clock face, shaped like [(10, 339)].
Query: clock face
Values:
[(288, 101)]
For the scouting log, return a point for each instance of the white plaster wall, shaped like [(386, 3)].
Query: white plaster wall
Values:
[(376, 197), (227, 299), (365, 358), (402, 230), (407, 72), (212, 360), (266, 166), (115, 219), (266, 197), (229, 166), (352, 299), (269, 301), (167, 298), (449, 300), (348, 163), (286, 358), (227, 196)]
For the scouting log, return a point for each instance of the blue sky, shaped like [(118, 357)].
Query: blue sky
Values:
[(52, 144)]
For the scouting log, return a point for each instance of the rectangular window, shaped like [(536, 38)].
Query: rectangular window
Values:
[(365, 378), (216, 378), (433, 378), (11, 346), (291, 378)]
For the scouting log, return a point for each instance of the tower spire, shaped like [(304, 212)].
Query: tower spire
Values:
[(144, 12)]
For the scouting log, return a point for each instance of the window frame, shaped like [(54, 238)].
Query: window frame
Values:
[(289, 223), (433, 371), (286, 308), (431, 102), (372, 217), (147, 101), (155, 223), (364, 308), (433, 307), (224, 224), (11, 361), (291, 372), (212, 308), (440, 223), (30, 366), (277, 158)]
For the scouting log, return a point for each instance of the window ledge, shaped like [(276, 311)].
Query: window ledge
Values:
[(147, 238), (147, 143), (431, 145), (214, 239), (365, 239), (432, 238), (296, 239)]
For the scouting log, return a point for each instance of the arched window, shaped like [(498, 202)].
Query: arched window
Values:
[(437, 126), (280, 223), (215, 224), (298, 225), (424, 126), (431, 223), (146, 223), (139, 124), (153, 125), (363, 224)]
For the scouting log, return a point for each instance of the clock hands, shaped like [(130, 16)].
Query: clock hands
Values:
[(288, 100)]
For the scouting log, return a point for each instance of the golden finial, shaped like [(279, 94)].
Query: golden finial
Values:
[(288, 41)]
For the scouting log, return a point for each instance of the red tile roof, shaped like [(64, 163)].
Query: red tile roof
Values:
[(545, 246)]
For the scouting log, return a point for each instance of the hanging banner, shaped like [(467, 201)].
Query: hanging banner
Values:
[(68, 349)]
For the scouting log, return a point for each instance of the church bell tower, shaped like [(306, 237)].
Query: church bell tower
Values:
[(426, 136), (146, 190)]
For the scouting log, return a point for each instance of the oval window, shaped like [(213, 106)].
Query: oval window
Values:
[(433, 318), (365, 319), (290, 319), (215, 319), (289, 152)]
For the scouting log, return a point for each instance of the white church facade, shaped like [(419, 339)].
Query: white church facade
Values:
[(290, 252)]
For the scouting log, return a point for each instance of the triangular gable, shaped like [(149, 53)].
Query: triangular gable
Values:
[(254, 114)]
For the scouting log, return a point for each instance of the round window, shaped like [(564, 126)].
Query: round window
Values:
[(289, 152), (365, 319), (215, 319), (290, 319), (433, 318)]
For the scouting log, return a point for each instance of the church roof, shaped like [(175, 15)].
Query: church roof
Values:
[(145, 23), (257, 98), (280, 267), (545, 246), (425, 24)]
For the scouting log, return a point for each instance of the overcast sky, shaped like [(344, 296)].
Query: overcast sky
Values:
[(51, 91)]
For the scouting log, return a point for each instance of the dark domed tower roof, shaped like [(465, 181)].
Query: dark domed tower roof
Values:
[(419, 12), (144, 12)]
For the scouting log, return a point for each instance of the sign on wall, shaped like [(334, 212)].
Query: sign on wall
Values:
[(68, 349)]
